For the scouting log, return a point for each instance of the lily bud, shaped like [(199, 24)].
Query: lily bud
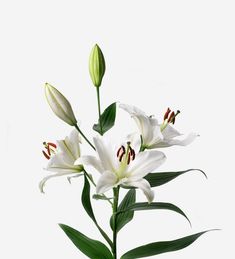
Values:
[(60, 105), (96, 65)]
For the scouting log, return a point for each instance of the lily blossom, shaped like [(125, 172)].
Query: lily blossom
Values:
[(156, 135), (62, 157), (123, 166)]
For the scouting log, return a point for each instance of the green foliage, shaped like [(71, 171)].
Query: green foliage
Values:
[(127, 215), (153, 206), (107, 119), (161, 247), (86, 202), (157, 179), (92, 248)]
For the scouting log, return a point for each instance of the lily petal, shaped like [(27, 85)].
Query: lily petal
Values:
[(169, 132), (58, 164), (74, 143), (184, 142), (144, 163), (45, 179), (107, 180), (105, 153), (148, 125), (145, 187), (90, 160)]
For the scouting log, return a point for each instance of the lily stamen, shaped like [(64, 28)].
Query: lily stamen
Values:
[(129, 153), (167, 114), (46, 155), (121, 151), (169, 117), (173, 116), (50, 149)]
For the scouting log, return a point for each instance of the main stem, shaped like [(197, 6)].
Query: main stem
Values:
[(115, 207), (99, 110), (87, 140)]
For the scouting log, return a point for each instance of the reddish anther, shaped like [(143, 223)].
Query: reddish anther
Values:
[(121, 156), (133, 154), (172, 118), (48, 150), (129, 158), (52, 144), (120, 151), (46, 155), (167, 113)]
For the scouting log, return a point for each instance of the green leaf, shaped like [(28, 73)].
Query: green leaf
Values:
[(123, 218), (107, 119), (157, 179), (86, 202), (92, 248), (154, 206), (161, 247)]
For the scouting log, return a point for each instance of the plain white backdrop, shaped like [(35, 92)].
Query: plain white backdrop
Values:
[(158, 53)]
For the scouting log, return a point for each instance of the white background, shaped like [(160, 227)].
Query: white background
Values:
[(158, 54)]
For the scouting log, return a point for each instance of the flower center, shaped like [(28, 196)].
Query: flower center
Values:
[(169, 117), (126, 155), (50, 149)]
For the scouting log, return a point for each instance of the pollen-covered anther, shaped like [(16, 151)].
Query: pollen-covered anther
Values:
[(50, 149), (127, 154), (167, 114), (173, 116)]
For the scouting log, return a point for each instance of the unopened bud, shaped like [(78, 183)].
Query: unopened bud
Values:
[(60, 105), (96, 65)]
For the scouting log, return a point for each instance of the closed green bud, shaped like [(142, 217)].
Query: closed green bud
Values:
[(96, 65), (60, 105)]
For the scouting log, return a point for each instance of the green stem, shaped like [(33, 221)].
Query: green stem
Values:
[(78, 129), (99, 110), (115, 207), (92, 181)]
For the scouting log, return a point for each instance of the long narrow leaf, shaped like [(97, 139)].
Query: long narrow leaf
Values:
[(161, 247), (86, 201), (107, 119), (92, 248), (157, 179), (127, 215), (154, 206)]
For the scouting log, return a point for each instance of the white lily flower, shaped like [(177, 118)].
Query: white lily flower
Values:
[(123, 166), (62, 157), (60, 105), (154, 134)]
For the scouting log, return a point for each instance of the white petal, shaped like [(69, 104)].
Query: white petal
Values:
[(145, 127), (106, 154), (157, 137), (145, 187), (92, 161), (45, 179), (106, 182), (132, 110), (148, 125), (135, 140), (65, 149), (58, 164), (74, 143), (73, 176), (169, 132), (144, 163), (184, 142)]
